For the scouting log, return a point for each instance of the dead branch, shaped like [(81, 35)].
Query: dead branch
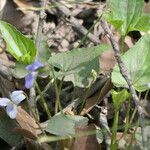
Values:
[(126, 76)]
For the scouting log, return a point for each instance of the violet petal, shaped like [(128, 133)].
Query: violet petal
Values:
[(29, 80), (11, 110), (17, 96), (34, 66), (4, 102)]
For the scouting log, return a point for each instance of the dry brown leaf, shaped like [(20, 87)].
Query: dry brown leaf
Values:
[(11, 15), (128, 42), (4, 60), (86, 142), (107, 59), (27, 122), (107, 62), (25, 21), (3, 56), (69, 111), (2, 4), (92, 101), (26, 4)]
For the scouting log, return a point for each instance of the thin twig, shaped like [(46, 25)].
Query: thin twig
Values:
[(126, 76)]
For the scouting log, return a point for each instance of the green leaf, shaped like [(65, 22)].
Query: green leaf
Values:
[(77, 64), (119, 98), (64, 125), (19, 71), (7, 126), (137, 62), (19, 46), (128, 15), (43, 52)]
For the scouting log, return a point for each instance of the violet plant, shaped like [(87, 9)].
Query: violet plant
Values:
[(30, 79), (31, 76)]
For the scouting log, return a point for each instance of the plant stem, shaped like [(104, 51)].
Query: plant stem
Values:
[(113, 145), (32, 102), (43, 100), (135, 110), (146, 94), (127, 124), (127, 118), (57, 89)]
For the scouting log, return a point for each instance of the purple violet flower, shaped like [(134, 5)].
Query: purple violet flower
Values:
[(11, 104), (31, 76)]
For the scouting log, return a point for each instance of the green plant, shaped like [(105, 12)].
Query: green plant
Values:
[(81, 66), (118, 99), (127, 16), (19, 46)]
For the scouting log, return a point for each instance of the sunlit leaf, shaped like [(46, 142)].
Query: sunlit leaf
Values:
[(119, 98), (127, 15), (78, 64), (65, 124), (137, 61), (19, 46)]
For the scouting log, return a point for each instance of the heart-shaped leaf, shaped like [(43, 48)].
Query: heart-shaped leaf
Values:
[(65, 124), (127, 15), (77, 64), (137, 61), (19, 46)]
